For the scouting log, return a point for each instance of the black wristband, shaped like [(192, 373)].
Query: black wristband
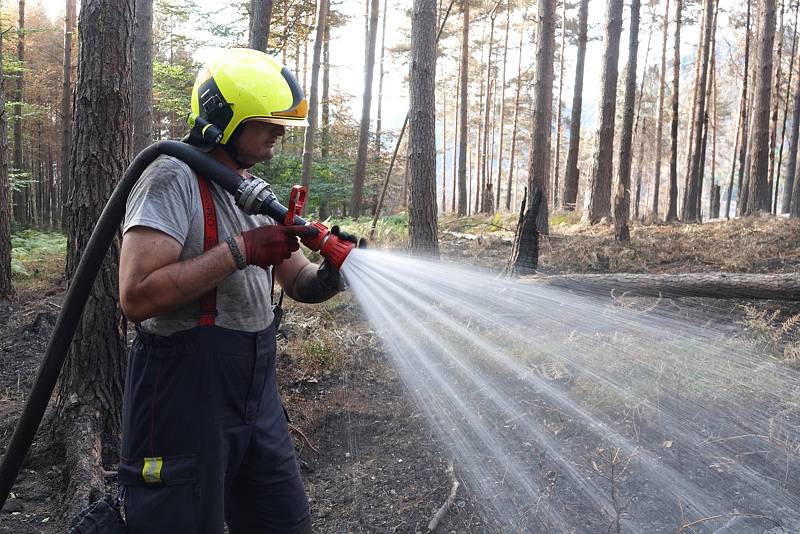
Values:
[(237, 254)]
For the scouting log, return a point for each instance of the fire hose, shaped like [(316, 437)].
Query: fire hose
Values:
[(253, 196)]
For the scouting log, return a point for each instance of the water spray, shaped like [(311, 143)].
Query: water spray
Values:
[(253, 196)]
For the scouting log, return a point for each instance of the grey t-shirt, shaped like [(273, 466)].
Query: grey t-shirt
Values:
[(167, 198)]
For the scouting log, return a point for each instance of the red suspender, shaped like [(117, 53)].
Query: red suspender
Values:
[(208, 302)]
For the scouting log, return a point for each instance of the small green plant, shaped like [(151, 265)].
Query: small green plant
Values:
[(37, 255)]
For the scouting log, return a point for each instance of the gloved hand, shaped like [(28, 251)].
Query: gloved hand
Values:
[(344, 236), (271, 244), (330, 277)]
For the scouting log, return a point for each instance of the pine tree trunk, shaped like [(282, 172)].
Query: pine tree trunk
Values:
[(660, 123), (776, 100), (557, 153), (787, 192), (759, 195), (598, 192), (694, 180), (487, 110), (511, 166), (571, 175), (6, 289), (463, 202), (143, 76), (498, 193), (89, 399), (20, 196), (636, 133), (379, 118), (539, 169), (308, 142), (66, 107), (443, 207), (326, 83), (366, 108), (746, 116), (622, 197), (672, 209), (260, 18), (422, 130), (476, 200), (456, 130)]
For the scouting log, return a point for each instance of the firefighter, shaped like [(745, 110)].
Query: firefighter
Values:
[(205, 436)]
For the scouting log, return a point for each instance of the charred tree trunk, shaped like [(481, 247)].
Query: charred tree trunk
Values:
[(6, 289), (66, 107), (422, 130), (308, 142), (366, 109), (538, 178), (759, 195), (660, 123), (20, 195), (598, 192), (260, 17), (514, 127), (622, 197), (143, 76), (463, 205), (571, 175), (525, 251), (89, 399), (672, 209)]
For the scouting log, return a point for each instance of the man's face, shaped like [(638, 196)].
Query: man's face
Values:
[(257, 141)]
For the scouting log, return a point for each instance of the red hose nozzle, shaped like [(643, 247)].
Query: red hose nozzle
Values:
[(330, 246)]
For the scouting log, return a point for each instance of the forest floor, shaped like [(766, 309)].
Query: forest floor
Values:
[(368, 457)]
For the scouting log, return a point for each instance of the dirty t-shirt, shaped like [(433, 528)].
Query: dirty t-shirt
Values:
[(167, 198)]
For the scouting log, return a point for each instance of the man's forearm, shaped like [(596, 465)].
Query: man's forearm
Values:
[(309, 288), (178, 283)]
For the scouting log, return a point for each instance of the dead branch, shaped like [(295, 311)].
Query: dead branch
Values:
[(437, 518), (724, 516), (299, 432)]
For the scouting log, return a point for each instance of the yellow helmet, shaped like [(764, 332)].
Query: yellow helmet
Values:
[(240, 85)]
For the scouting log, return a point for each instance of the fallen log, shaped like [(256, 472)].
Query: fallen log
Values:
[(712, 285)]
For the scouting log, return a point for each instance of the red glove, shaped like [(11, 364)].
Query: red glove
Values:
[(270, 244)]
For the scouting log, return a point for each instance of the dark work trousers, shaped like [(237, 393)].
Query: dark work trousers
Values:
[(205, 438)]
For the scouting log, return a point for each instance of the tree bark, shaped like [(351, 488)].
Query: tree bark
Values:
[(712, 285), (260, 18), (759, 195), (6, 289), (742, 114), (693, 181), (598, 192), (524, 258), (622, 198), (672, 208), (789, 78), (143, 76), (463, 205), (487, 110), (538, 175), (366, 108), (456, 130), (89, 399), (308, 142), (773, 121), (422, 130), (571, 174), (20, 195), (66, 107), (511, 182)]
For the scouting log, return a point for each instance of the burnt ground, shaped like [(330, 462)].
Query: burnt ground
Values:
[(368, 457)]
